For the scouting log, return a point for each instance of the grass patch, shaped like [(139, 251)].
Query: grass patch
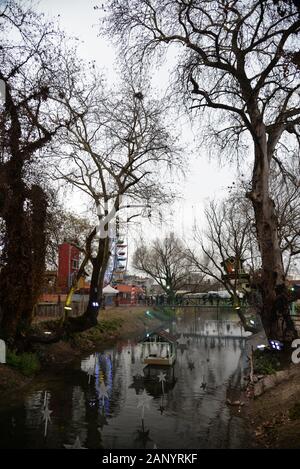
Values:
[(108, 325), (104, 328), (27, 363), (265, 362), (164, 314)]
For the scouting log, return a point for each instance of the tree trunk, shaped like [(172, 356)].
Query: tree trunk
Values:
[(89, 318), (80, 274), (16, 274), (274, 313), (24, 212), (37, 219)]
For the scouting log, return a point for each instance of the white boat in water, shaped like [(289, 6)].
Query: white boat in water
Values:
[(160, 348)]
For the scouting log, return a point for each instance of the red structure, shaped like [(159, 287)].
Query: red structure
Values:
[(68, 265), (128, 294), (133, 295)]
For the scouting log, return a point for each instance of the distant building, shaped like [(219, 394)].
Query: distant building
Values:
[(293, 279), (142, 282), (196, 284), (68, 265), (129, 294)]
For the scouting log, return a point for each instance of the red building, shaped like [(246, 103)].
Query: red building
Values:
[(68, 265)]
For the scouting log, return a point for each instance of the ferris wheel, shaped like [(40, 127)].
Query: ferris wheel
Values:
[(118, 260), (111, 262), (121, 259)]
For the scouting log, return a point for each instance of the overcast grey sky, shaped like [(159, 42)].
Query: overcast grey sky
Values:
[(204, 178)]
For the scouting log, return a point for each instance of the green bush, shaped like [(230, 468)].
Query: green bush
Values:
[(265, 362), (27, 363)]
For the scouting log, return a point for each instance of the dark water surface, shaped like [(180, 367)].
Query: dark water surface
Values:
[(98, 400)]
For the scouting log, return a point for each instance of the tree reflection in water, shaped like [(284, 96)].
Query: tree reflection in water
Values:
[(188, 407)]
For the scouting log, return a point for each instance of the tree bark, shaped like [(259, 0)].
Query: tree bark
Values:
[(37, 219), (24, 249), (89, 318), (16, 275), (277, 322)]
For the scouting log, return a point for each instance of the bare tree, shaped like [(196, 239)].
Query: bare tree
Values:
[(285, 189), (228, 235), (113, 154), (287, 200), (235, 59), (165, 261), (33, 65)]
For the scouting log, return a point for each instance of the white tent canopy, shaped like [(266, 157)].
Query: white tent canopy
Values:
[(108, 290)]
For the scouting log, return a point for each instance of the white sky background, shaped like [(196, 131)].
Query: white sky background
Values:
[(204, 179)]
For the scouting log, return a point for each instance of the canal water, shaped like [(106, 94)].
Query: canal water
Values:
[(108, 401)]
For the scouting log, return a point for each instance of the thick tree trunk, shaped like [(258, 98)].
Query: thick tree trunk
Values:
[(89, 318), (24, 250), (24, 212), (37, 219), (16, 274), (275, 312)]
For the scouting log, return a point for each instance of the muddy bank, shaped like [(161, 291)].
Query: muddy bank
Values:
[(272, 408), (115, 324), (274, 416)]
